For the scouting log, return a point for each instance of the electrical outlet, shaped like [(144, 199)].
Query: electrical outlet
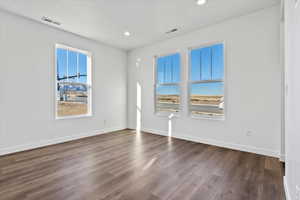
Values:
[(249, 133)]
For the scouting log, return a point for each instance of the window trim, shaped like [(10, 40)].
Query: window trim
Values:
[(179, 84), (90, 80), (189, 83)]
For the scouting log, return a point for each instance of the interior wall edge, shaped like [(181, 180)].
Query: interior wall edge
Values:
[(286, 189)]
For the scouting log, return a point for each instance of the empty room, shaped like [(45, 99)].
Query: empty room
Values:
[(150, 100)]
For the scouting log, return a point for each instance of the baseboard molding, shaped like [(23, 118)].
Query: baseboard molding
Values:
[(238, 147), (282, 158), (25, 147), (286, 189)]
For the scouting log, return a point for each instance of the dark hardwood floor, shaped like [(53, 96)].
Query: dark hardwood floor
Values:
[(129, 166)]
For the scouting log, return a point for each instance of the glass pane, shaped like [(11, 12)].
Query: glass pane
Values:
[(218, 62), (195, 74), (161, 70), (207, 98), (168, 69), (82, 68), (72, 66), (72, 91), (206, 63), (167, 98), (176, 68), (61, 59)]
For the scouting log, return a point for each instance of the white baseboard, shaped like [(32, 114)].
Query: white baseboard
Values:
[(239, 147), (282, 158), (286, 189), (14, 149)]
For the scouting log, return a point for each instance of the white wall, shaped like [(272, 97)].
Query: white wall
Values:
[(253, 85), (292, 140), (27, 86)]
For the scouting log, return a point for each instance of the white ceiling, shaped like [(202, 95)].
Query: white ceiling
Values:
[(147, 20)]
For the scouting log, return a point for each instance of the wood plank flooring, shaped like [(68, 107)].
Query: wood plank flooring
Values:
[(128, 166)]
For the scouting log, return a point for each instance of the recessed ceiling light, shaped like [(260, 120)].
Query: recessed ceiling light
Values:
[(127, 33), (201, 2)]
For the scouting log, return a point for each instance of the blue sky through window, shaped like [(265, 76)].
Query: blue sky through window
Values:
[(208, 89), (206, 64), (70, 63), (168, 71)]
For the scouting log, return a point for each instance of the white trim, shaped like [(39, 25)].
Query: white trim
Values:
[(25, 147), (206, 44), (179, 84), (89, 115), (89, 80), (239, 147), (283, 89), (286, 189), (189, 82), (282, 158), (207, 117), (70, 48), (166, 114)]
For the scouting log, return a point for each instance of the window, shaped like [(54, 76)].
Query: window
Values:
[(167, 83), (73, 82), (206, 81)]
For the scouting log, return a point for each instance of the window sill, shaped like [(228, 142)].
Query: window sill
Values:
[(74, 117), (167, 114), (206, 117)]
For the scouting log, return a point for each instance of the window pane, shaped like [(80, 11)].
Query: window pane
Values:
[(207, 98), (167, 98), (206, 63), (168, 69), (161, 70), (61, 56), (195, 74), (218, 62), (176, 68), (82, 68), (72, 90), (72, 66)]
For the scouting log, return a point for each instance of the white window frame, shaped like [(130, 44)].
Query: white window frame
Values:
[(89, 81), (179, 84), (190, 83)]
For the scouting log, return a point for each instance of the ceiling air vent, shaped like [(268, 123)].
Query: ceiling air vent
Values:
[(48, 20), (172, 31)]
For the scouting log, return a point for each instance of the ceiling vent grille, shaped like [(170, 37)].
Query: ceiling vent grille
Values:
[(49, 20), (172, 31)]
